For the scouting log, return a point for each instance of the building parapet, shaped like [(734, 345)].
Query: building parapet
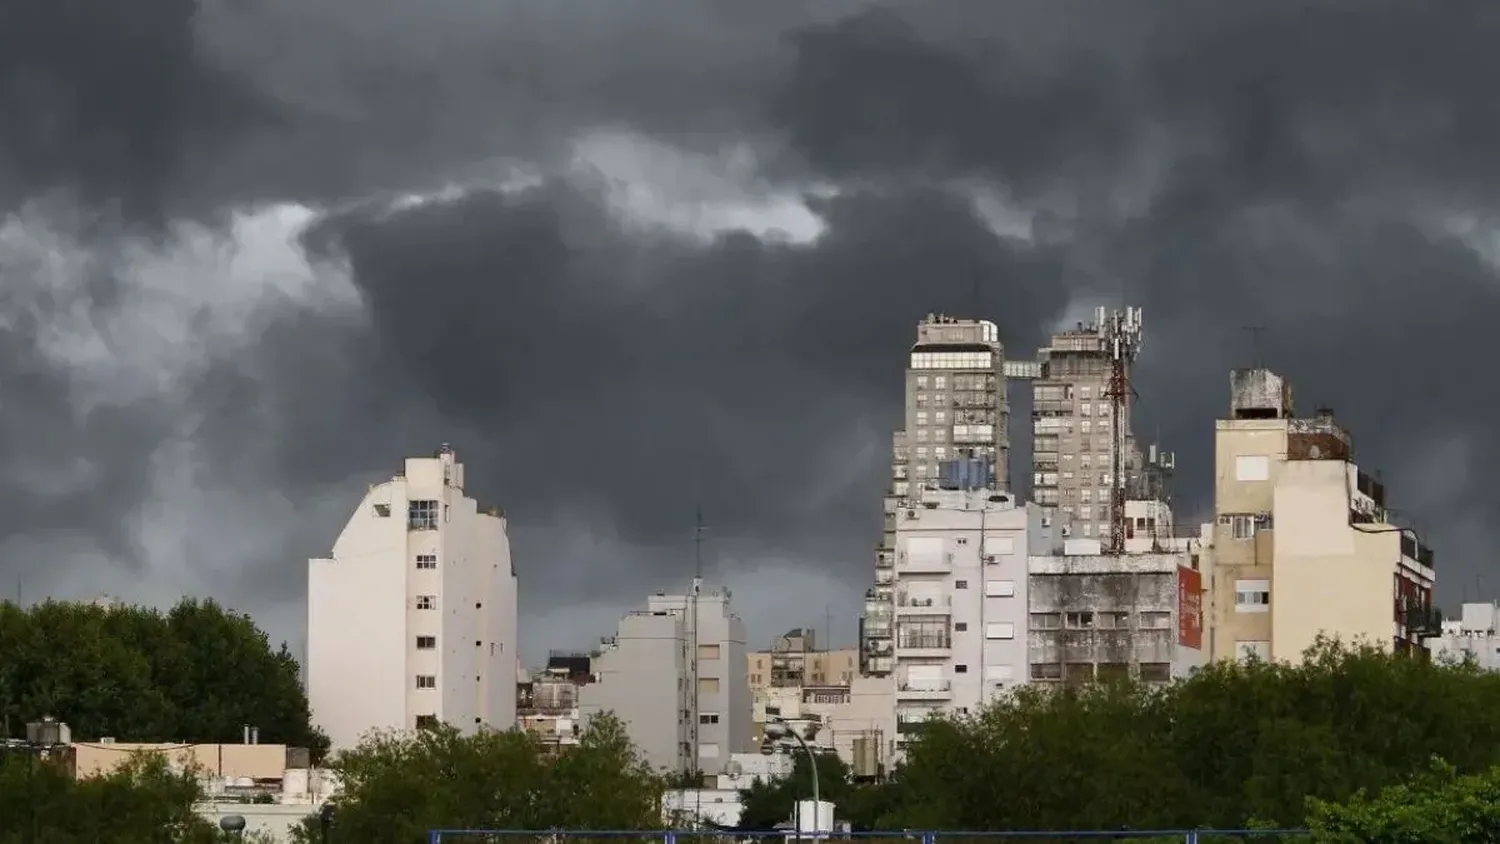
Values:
[(1107, 564)]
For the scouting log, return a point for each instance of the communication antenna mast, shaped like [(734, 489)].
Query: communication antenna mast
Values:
[(1121, 336), (695, 597)]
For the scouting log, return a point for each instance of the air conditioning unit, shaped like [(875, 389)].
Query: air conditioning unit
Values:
[(1067, 530)]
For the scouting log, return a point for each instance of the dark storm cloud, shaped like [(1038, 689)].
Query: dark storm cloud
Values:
[(1323, 170), (638, 378)]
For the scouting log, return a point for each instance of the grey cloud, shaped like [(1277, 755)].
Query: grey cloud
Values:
[(1321, 169)]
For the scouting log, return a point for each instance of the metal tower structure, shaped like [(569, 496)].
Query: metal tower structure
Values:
[(1120, 332)]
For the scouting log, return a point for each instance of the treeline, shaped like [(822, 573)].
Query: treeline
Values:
[(1235, 745), (196, 673)]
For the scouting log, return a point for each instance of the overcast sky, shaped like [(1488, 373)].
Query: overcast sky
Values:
[(636, 256)]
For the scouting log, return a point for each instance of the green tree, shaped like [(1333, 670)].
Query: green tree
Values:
[(142, 800), (397, 786), (1438, 806), (196, 673), (1233, 743)]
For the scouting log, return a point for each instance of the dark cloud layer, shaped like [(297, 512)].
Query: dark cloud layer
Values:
[(546, 233)]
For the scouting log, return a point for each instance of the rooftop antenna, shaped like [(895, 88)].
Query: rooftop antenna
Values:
[(696, 597), (1256, 332), (1120, 332)]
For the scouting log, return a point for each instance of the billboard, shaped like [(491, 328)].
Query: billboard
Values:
[(1189, 608)]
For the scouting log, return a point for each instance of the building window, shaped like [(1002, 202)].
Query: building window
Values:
[(708, 685), (1252, 650), (960, 584), (1000, 588), (708, 717), (421, 515), (960, 626), (426, 643), (1252, 467), (427, 722), (1079, 620), (1156, 672), (383, 510), (708, 751), (708, 651), (1046, 621), (1252, 596), (1156, 620), (960, 669), (1000, 630), (426, 602), (426, 561), (426, 681), (1046, 671)]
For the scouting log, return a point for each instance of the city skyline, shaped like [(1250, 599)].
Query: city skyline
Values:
[(239, 297)]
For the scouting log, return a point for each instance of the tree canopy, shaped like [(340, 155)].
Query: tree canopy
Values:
[(1234, 745), (195, 673), (142, 800), (399, 785)]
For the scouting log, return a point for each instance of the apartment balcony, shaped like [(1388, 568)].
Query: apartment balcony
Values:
[(877, 627), (885, 577), (923, 563), (925, 648), (880, 666), (924, 690), (923, 604)]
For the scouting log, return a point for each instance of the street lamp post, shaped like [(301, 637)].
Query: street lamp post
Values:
[(778, 729)]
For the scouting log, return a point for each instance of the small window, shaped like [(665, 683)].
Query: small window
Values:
[(1252, 467), (1156, 672), (1046, 621), (383, 510), (960, 626), (1079, 620), (1156, 620), (426, 681), (426, 561), (478, 605), (961, 584), (708, 718), (426, 602), (1000, 588), (1252, 596), (426, 643), (1000, 630), (960, 669), (427, 722), (708, 685), (1046, 671), (708, 651), (421, 515), (478, 644)]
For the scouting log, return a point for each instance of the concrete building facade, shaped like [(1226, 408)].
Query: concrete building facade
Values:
[(961, 599), (1296, 520), (1095, 616), (857, 720), (682, 690), (411, 619), (1474, 635), (957, 405)]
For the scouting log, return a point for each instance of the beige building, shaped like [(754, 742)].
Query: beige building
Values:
[(1072, 425), (856, 720), (1302, 545), (794, 661), (258, 762)]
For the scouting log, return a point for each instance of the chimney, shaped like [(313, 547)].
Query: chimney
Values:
[(255, 735)]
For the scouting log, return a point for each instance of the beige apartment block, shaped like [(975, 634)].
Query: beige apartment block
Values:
[(1302, 543), (794, 661), (260, 762)]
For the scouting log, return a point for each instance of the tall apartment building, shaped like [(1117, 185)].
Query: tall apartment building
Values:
[(675, 674), (960, 608), (956, 406), (1302, 544), (411, 619), (1072, 417)]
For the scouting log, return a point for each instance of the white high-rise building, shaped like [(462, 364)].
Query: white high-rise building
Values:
[(412, 619), (961, 603)]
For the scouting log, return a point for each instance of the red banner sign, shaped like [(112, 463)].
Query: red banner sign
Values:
[(1189, 608)]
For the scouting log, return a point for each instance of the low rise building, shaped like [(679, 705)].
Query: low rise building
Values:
[(794, 660), (856, 721), (1474, 635), (1096, 616)]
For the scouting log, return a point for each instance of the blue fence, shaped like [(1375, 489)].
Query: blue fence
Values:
[(1031, 836)]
